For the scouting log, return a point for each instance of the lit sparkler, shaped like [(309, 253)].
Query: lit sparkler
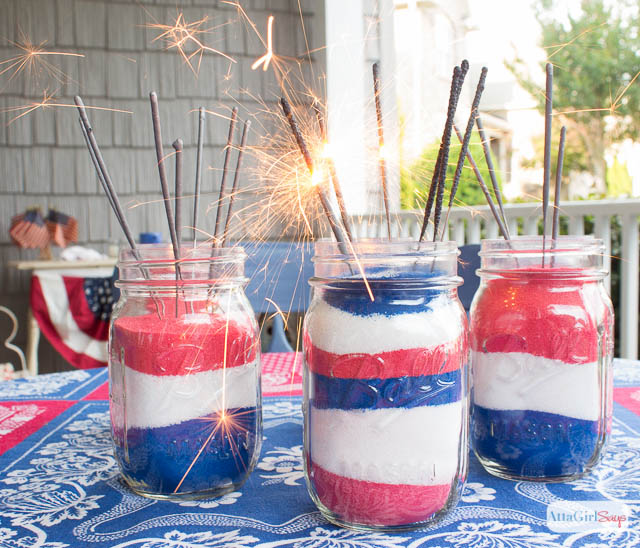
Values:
[(34, 60), (49, 101), (186, 39)]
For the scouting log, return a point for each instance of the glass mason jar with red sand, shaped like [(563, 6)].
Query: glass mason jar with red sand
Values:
[(385, 384), (541, 352), (184, 373)]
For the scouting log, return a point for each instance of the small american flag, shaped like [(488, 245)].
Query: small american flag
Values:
[(28, 230), (63, 229)]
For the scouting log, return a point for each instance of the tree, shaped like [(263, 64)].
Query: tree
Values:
[(415, 181), (596, 58)]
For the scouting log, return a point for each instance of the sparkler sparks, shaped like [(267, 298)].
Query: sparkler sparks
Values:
[(49, 101), (266, 58), (186, 38), (34, 61)]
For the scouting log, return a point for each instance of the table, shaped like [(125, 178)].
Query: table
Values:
[(59, 483)]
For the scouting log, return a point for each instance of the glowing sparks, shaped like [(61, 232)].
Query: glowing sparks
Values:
[(186, 38), (49, 101), (34, 60), (266, 58)]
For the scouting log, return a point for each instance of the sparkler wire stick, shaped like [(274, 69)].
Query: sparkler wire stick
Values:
[(236, 177), (177, 197), (548, 105), (103, 173), (157, 133), (225, 170), (334, 177), (196, 194), (485, 189), (492, 171), (555, 227), (456, 86), (465, 143), (324, 200), (381, 159)]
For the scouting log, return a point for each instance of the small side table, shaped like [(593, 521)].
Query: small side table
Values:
[(33, 330)]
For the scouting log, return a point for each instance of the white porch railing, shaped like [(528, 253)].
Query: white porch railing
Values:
[(466, 225)]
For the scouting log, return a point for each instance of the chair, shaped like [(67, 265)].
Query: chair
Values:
[(7, 371), (468, 263), (278, 275)]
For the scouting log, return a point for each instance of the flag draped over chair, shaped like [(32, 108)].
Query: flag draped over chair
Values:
[(73, 309)]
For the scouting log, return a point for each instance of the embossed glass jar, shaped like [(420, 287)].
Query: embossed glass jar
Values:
[(541, 351), (184, 373), (385, 384)]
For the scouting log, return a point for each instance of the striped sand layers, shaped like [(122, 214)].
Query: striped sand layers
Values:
[(385, 382), (539, 398), (184, 400)]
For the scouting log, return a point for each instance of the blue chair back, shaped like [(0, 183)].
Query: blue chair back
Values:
[(278, 272), (468, 263)]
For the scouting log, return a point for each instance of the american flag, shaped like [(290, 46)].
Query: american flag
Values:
[(73, 309), (62, 228), (28, 230)]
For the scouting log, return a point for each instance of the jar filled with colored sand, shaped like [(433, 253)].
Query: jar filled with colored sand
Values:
[(385, 384), (541, 350), (184, 373)]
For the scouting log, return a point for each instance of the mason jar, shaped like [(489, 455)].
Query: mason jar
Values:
[(385, 384), (184, 373), (541, 351)]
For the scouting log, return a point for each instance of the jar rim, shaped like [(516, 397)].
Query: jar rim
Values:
[(369, 250), (149, 255), (533, 245)]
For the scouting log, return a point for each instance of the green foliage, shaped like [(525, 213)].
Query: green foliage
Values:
[(618, 179), (594, 53), (415, 180)]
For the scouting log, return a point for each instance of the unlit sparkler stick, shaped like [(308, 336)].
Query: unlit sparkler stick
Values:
[(436, 170), (546, 182), (465, 142), (225, 169), (334, 177), (155, 116), (103, 173), (324, 200), (177, 196), (236, 177), (492, 171), (485, 189), (196, 199), (555, 228), (381, 158), (456, 86)]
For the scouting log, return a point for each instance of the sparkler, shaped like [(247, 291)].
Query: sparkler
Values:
[(381, 157), (225, 170), (465, 143), (34, 60), (236, 176), (555, 228), (265, 60), (196, 194), (548, 105), (185, 38)]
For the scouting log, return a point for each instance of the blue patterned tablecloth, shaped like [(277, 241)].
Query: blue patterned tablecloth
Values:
[(59, 485)]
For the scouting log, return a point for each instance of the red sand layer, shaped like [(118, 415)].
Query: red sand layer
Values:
[(412, 362), (179, 346), (536, 315), (370, 503)]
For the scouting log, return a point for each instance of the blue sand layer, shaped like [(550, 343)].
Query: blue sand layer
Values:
[(532, 443), (401, 293), (336, 393), (157, 459)]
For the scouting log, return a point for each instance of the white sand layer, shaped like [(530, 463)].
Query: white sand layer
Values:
[(417, 446), (339, 332), (151, 401), (518, 381)]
